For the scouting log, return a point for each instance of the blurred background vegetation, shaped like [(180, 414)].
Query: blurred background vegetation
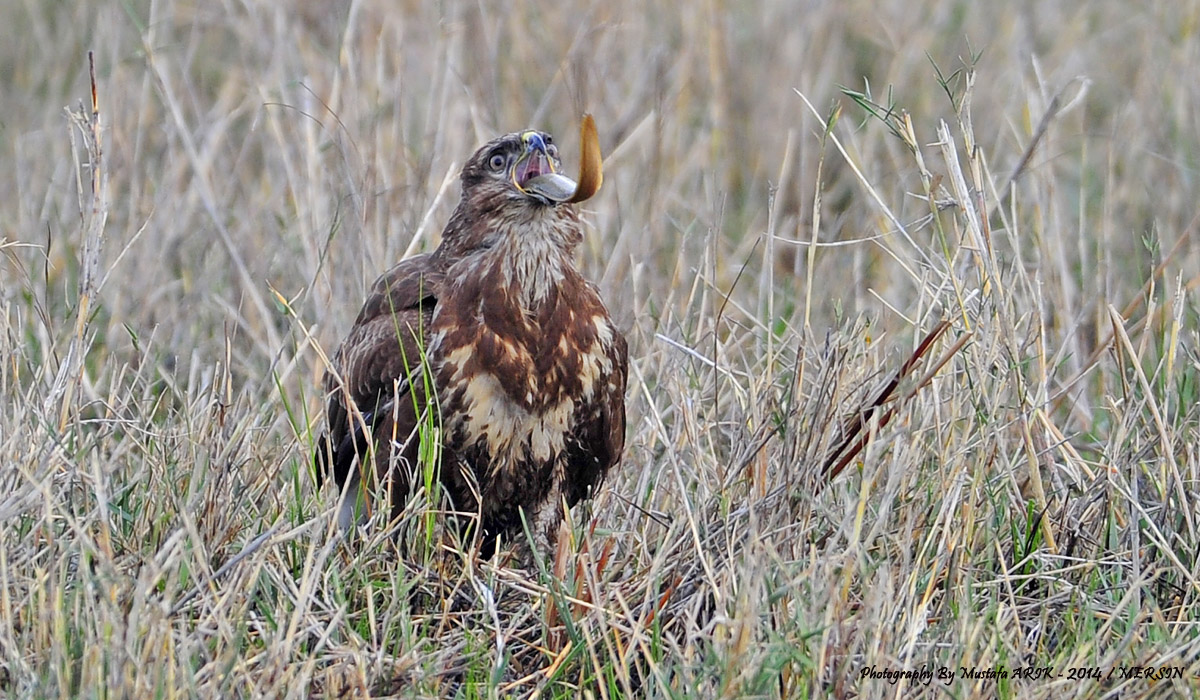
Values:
[(247, 142)]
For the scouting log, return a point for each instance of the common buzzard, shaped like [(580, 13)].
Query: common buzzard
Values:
[(496, 338)]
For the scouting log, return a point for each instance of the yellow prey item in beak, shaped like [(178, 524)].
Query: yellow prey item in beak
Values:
[(535, 174), (591, 170)]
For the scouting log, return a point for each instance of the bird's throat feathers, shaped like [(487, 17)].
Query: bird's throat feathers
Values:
[(529, 256)]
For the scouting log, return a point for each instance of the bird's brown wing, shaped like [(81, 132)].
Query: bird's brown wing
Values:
[(599, 438), (369, 384)]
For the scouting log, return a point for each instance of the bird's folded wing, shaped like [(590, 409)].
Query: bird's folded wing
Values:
[(380, 359)]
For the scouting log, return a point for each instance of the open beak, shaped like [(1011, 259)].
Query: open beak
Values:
[(535, 174)]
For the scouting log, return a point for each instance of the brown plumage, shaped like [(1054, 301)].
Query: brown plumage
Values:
[(526, 366)]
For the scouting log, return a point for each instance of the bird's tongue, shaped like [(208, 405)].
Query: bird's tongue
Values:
[(533, 166), (536, 175)]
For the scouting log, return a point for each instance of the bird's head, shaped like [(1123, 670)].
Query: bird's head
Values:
[(525, 166)]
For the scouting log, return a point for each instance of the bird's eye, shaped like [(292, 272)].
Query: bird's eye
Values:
[(497, 162)]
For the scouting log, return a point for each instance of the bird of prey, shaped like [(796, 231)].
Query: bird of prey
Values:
[(498, 339)]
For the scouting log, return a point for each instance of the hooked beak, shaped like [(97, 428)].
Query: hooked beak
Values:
[(535, 175)]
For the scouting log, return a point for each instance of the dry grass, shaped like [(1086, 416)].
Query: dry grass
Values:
[(776, 246)]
